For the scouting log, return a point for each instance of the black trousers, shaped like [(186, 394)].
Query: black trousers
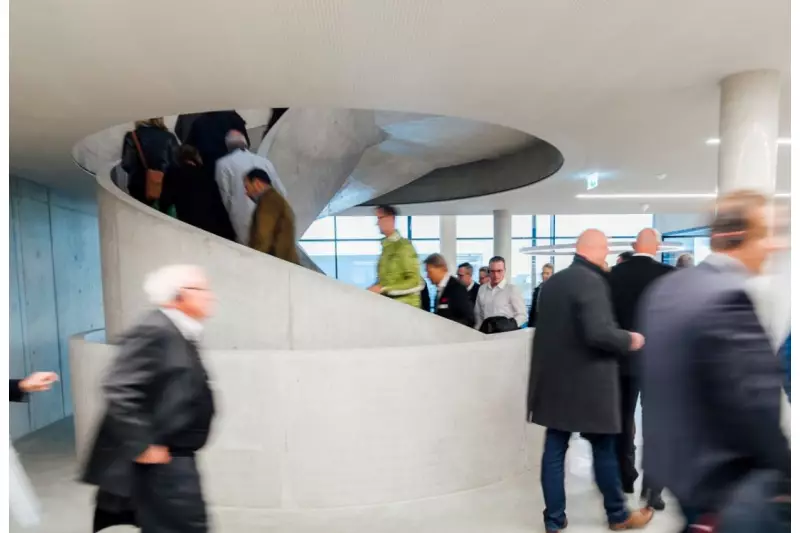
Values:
[(626, 449), (168, 498)]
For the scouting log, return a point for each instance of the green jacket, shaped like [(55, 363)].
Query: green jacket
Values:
[(398, 270)]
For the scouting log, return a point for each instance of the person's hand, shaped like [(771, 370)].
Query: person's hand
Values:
[(376, 289), (637, 341), (154, 455), (38, 381)]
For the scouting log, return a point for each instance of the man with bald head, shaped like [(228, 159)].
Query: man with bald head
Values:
[(158, 413), (629, 280), (574, 381)]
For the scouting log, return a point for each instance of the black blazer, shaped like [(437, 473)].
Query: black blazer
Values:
[(454, 303), (629, 281), (156, 392), (532, 314), (713, 385), (15, 393), (574, 379), (473, 293)]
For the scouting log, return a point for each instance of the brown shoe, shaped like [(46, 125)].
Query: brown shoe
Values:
[(637, 520)]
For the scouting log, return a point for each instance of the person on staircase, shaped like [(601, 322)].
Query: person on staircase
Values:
[(273, 229), (147, 151), (399, 275)]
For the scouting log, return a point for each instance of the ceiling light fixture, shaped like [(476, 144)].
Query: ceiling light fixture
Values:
[(660, 196), (781, 141)]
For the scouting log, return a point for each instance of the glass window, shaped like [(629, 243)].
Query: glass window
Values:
[(475, 226), (425, 227), (365, 227), (543, 226), (323, 254), (521, 268), (322, 228), (521, 226), (357, 262), (611, 225), (475, 252), (426, 248)]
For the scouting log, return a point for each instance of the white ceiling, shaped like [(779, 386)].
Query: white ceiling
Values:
[(627, 88)]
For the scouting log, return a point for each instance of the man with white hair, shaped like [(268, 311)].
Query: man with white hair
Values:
[(230, 173), (159, 409)]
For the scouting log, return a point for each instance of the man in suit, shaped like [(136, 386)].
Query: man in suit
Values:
[(712, 381), (159, 409), (272, 230), (547, 271), (629, 280), (452, 299), (465, 277), (574, 381)]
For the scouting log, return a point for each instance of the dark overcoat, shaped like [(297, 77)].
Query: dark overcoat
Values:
[(574, 376)]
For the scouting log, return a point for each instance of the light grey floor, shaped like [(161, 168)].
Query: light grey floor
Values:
[(513, 506)]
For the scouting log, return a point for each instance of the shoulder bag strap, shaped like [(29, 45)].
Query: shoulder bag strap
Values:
[(139, 149)]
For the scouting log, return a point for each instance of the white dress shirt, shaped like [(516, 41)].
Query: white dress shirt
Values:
[(503, 300), (442, 285), (230, 174)]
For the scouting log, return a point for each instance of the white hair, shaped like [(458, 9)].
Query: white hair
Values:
[(235, 139), (163, 285)]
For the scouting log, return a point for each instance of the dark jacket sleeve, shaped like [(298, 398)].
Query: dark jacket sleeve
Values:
[(130, 156), (15, 393), (532, 313), (462, 307), (596, 317), (742, 381)]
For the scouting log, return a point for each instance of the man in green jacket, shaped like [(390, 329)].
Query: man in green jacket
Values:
[(399, 274)]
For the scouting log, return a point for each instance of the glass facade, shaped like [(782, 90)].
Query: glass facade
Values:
[(348, 248), (695, 241)]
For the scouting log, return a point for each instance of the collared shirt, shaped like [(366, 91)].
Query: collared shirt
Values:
[(503, 300), (651, 256), (440, 287), (190, 328), (230, 173), (471, 285)]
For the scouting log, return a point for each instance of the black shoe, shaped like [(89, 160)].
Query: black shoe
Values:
[(653, 499), (627, 487)]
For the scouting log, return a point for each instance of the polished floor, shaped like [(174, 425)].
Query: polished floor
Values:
[(513, 506)]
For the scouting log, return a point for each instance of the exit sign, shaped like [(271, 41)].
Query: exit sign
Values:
[(592, 181)]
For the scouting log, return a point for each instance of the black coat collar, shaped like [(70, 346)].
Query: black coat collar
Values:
[(582, 261)]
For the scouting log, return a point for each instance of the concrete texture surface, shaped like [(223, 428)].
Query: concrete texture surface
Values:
[(511, 506), (263, 302), (55, 292), (332, 428)]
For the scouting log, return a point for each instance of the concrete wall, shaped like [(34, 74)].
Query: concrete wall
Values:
[(55, 291), (263, 302), (321, 428)]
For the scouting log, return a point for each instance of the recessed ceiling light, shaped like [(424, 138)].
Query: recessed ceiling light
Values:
[(782, 141), (661, 177), (660, 196)]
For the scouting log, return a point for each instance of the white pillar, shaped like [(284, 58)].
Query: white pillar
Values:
[(447, 241), (502, 237), (748, 131)]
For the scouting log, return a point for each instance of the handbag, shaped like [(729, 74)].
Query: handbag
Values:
[(153, 179)]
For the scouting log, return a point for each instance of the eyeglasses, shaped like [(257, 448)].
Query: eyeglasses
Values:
[(202, 289)]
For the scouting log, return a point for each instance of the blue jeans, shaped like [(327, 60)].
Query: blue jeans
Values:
[(606, 475)]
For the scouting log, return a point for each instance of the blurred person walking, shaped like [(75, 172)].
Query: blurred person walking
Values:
[(452, 299), (399, 277), (159, 410), (713, 382), (272, 230), (483, 275), (230, 173), (629, 280), (147, 151), (547, 271), (190, 189), (574, 381), (684, 261)]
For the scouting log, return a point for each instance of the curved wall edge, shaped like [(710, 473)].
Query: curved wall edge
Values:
[(316, 429), (263, 302)]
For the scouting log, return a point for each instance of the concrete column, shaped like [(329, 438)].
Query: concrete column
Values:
[(748, 131), (502, 237), (447, 241)]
